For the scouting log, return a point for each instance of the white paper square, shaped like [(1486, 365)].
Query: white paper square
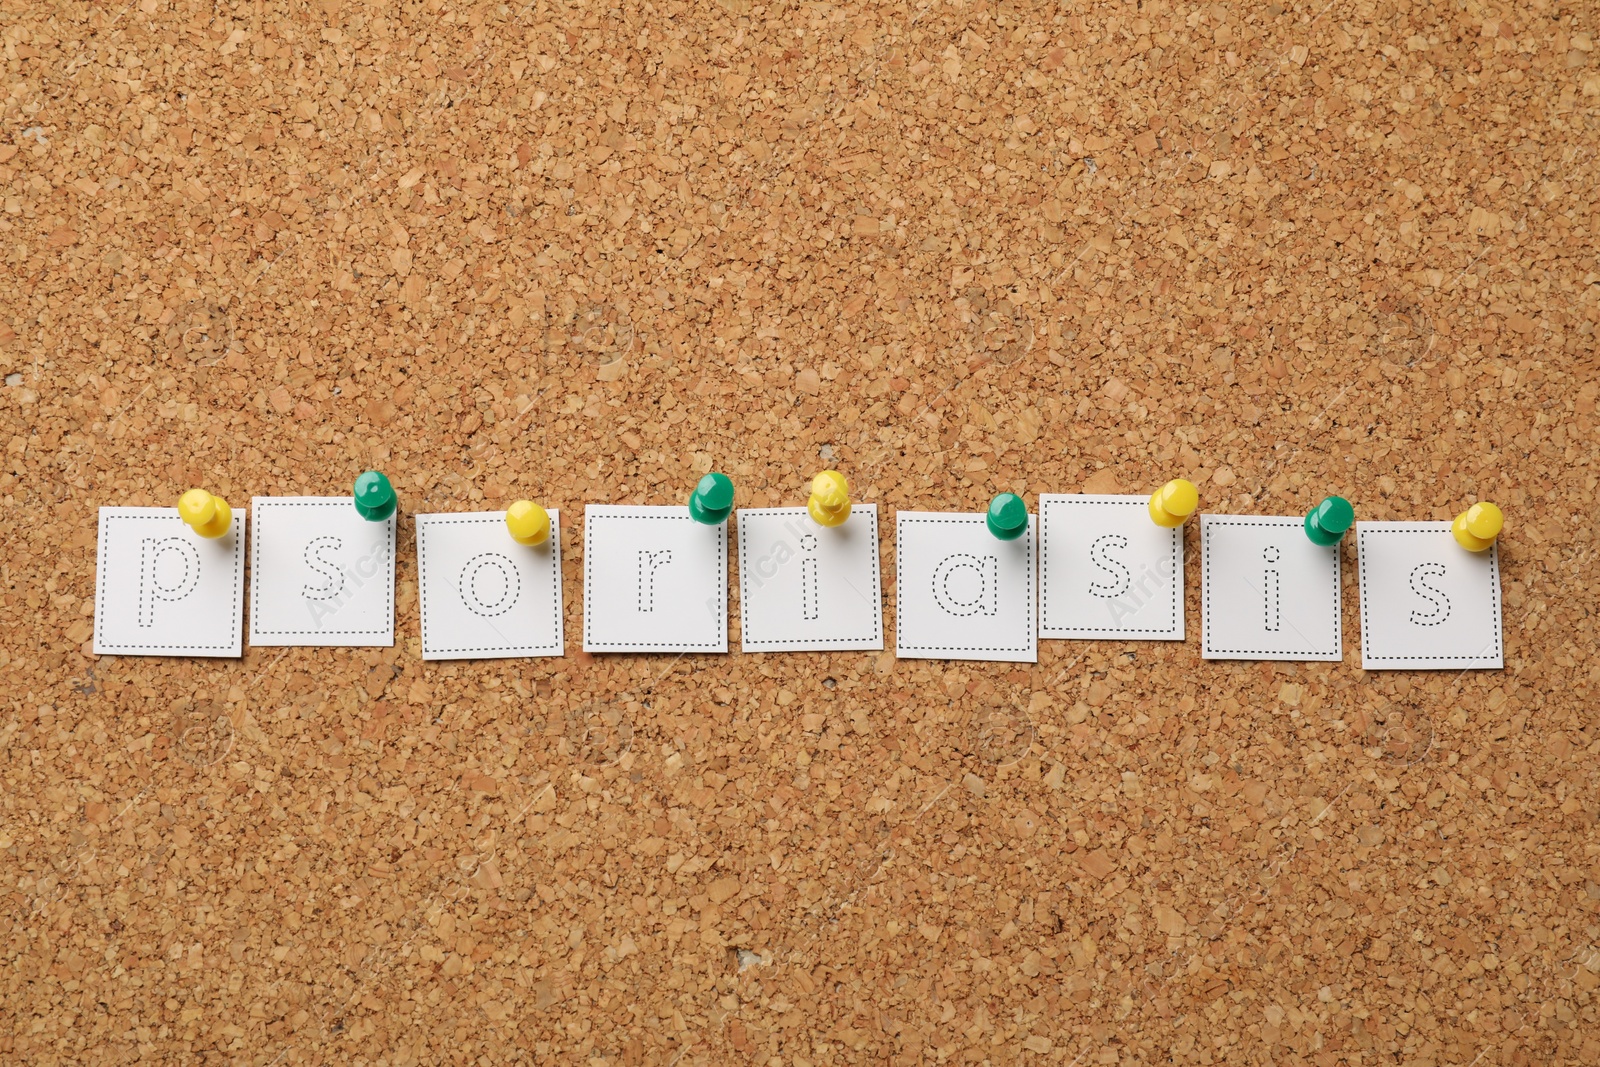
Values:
[(483, 595), (961, 592), (1107, 571), (320, 574), (163, 590), (804, 587), (654, 580), (1426, 601), (1267, 591)]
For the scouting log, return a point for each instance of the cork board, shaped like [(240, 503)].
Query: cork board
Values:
[(584, 255)]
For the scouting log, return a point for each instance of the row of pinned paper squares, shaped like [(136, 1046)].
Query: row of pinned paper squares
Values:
[(654, 580)]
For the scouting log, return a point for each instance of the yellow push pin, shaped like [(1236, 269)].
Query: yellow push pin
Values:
[(1173, 503), (830, 499), (1476, 528), (209, 516), (528, 522)]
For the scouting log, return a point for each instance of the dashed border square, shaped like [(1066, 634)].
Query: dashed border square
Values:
[(1280, 522), (1363, 529), (309, 638), (613, 511), (1175, 632), (1031, 536), (840, 643), (231, 648), (423, 522)]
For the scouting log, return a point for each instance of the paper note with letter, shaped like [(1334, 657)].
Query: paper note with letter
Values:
[(484, 596), (320, 574), (654, 580), (163, 590), (961, 592), (1426, 602)]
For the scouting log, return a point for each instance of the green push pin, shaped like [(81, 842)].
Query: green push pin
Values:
[(1327, 522), (375, 498), (1008, 516), (712, 499)]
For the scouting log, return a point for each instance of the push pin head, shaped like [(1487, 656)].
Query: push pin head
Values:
[(1008, 516), (375, 498), (712, 499), (528, 522), (208, 515), (1476, 528), (1173, 503), (1327, 522), (830, 499)]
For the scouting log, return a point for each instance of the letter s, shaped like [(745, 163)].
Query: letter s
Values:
[(1419, 585), (328, 570), (1121, 578)]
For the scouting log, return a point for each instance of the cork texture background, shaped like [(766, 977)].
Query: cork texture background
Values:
[(583, 254)]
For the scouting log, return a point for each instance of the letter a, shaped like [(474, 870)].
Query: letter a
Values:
[(988, 572)]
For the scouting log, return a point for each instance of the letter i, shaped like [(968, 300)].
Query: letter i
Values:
[(1270, 591), (809, 608)]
